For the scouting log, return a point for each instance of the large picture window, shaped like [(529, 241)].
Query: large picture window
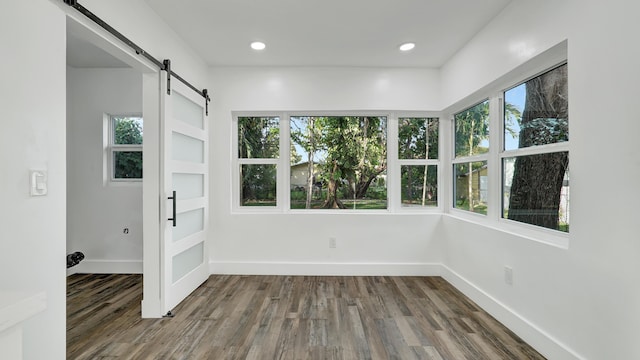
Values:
[(338, 162), (297, 162), (535, 159), (471, 148)]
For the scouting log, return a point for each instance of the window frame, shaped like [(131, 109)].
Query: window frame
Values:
[(111, 148), (283, 203), (483, 157), (238, 162), (494, 92), (526, 151), (416, 162)]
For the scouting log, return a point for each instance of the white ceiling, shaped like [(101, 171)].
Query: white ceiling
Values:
[(312, 32), (327, 32)]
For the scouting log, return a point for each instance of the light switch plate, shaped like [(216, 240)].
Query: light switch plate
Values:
[(38, 182)]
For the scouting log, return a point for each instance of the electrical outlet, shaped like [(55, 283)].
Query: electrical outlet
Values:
[(332, 243), (508, 275)]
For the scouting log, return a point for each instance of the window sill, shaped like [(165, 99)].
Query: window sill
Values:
[(545, 236), (333, 212), (124, 183)]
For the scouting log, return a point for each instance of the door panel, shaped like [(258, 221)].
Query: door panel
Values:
[(185, 162)]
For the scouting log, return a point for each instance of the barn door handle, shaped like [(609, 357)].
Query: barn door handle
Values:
[(173, 219)]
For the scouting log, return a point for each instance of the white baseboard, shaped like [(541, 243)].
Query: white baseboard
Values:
[(88, 266), (324, 269), (548, 346)]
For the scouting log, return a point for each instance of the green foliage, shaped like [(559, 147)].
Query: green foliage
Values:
[(258, 137), (356, 151), (416, 137), (512, 119), (472, 130), (350, 150), (258, 184), (295, 157), (127, 164), (419, 185), (127, 131)]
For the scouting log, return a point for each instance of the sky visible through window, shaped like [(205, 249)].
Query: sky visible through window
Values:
[(299, 123), (516, 97)]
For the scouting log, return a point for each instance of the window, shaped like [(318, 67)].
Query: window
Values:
[(125, 148), (418, 159), (471, 148), (535, 158), (258, 153), (301, 162), (338, 162)]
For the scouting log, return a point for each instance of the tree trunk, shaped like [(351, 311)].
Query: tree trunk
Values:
[(538, 179), (426, 167), (312, 146), (409, 175), (332, 191), (470, 176), (470, 186)]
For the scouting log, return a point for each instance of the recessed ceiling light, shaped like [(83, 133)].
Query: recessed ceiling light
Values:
[(258, 45), (407, 46)]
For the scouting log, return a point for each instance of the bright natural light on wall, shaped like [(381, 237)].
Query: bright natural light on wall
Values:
[(258, 45), (407, 46)]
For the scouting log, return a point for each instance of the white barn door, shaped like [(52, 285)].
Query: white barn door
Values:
[(183, 248)]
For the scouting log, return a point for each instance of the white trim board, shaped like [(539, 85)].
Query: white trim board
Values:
[(539, 339), (89, 266), (323, 269)]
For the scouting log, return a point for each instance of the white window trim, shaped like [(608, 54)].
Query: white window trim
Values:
[(470, 158), (394, 205), (398, 163), (560, 238), (237, 162), (110, 148), (549, 60)]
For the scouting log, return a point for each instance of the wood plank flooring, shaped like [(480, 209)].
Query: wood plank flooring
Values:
[(287, 317)]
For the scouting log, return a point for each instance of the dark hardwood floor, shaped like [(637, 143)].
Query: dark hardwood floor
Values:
[(287, 317)]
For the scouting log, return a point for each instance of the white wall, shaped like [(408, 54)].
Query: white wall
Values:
[(585, 297), (98, 211), (32, 98), (137, 21), (299, 244)]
